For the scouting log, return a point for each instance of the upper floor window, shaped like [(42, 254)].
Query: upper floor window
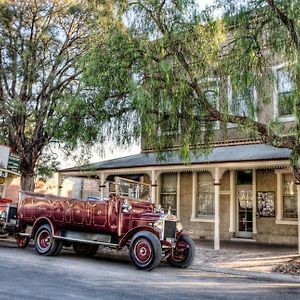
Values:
[(283, 93), (168, 122), (168, 126), (211, 92), (242, 103)]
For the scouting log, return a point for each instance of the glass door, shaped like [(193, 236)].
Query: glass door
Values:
[(245, 212), (244, 194)]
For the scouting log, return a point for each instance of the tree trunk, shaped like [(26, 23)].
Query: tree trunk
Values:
[(27, 182), (27, 165)]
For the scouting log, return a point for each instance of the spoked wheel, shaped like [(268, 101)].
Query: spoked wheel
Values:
[(44, 242), (184, 253), (85, 249), (145, 250), (22, 241)]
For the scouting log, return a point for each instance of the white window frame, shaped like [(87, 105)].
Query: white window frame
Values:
[(217, 80), (177, 174), (230, 98), (287, 118), (160, 132), (194, 218), (279, 200)]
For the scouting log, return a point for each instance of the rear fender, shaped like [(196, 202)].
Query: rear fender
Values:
[(133, 231), (44, 220)]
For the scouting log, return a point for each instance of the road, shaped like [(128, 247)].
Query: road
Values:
[(27, 275)]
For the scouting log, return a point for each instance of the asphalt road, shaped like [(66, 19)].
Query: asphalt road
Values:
[(27, 275)]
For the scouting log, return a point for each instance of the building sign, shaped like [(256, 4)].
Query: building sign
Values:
[(13, 162), (4, 156), (8, 160)]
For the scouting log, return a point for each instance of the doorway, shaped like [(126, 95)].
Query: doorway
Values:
[(244, 195)]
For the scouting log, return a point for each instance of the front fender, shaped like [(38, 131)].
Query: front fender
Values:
[(133, 231)]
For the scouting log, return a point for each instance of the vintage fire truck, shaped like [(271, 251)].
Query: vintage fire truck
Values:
[(122, 219)]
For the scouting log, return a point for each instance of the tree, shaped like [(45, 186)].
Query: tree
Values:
[(41, 99), (170, 49), (266, 31)]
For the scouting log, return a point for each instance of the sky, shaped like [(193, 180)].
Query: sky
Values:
[(204, 3)]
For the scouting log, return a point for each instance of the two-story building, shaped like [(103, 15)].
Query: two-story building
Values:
[(242, 190)]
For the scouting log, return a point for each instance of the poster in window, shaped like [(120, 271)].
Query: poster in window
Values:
[(266, 204)]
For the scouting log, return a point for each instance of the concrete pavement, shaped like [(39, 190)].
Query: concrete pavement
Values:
[(246, 259)]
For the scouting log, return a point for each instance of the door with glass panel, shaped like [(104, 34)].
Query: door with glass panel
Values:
[(244, 196)]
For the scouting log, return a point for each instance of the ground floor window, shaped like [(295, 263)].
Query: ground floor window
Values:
[(289, 197), (205, 201), (168, 193), (287, 210)]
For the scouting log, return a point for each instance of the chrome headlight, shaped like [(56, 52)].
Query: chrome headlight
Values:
[(3, 215), (159, 224), (179, 226)]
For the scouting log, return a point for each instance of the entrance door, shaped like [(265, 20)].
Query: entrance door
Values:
[(244, 204)]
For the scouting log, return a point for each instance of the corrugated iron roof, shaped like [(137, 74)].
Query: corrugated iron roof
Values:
[(237, 153)]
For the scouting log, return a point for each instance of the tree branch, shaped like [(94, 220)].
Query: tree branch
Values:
[(287, 22)]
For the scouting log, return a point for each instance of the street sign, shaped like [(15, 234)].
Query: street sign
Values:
[(13, 162)]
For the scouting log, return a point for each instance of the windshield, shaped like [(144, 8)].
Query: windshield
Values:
[(130, 188)]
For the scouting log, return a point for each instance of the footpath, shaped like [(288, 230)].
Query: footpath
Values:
[(246, 259)]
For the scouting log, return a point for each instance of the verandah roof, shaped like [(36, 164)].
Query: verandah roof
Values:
[(225, 154)]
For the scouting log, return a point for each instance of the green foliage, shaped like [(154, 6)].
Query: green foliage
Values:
[(140, 67), (159, 61), (41, 96), (46, 166)]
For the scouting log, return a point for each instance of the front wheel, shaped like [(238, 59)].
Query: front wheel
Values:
[(183, 255), (44, 242), (145, 250)]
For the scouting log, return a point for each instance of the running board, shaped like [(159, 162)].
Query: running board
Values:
[(74, 240)]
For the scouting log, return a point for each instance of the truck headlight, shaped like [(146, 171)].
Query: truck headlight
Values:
[(179, 226), (159, 224), (3, 215)]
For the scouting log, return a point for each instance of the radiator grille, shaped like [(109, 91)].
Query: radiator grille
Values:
[(170, 229), (12, 213)]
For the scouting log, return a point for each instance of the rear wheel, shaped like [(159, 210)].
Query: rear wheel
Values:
[(184, 253), (22, 241), (145, 250), (85, 249), (44, 242)]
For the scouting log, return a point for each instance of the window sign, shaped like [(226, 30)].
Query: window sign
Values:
[(266, 204)]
